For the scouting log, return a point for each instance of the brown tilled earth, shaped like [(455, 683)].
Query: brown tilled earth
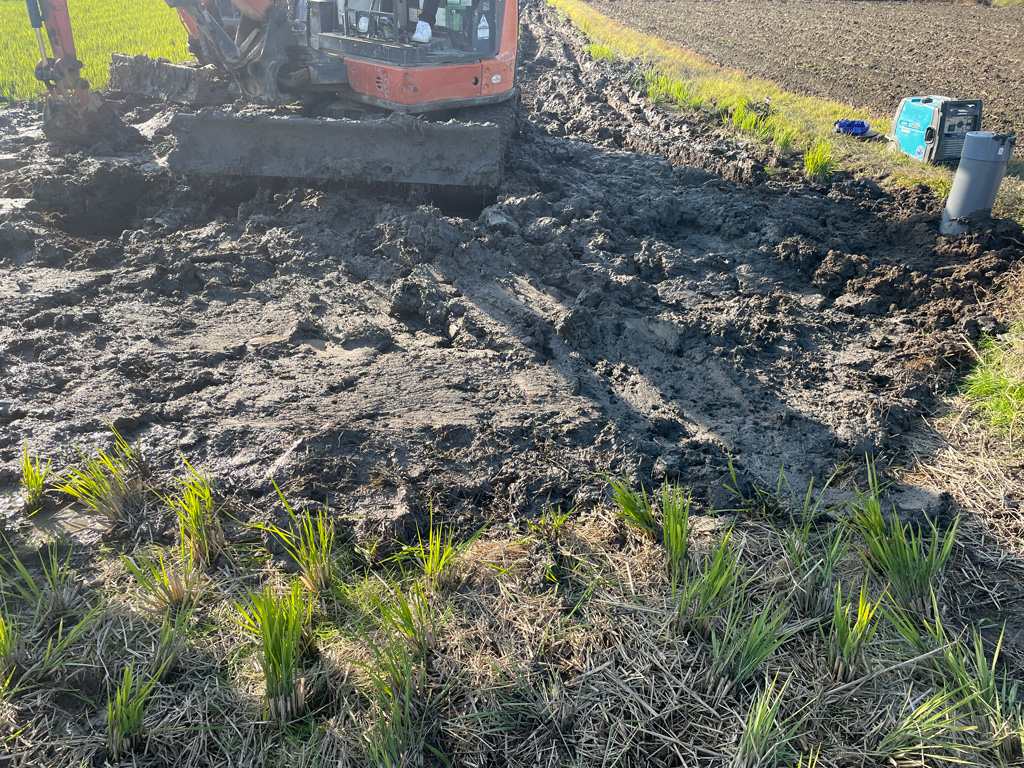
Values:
[(858, 52)]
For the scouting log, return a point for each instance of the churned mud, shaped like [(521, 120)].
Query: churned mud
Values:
[(643, 297)]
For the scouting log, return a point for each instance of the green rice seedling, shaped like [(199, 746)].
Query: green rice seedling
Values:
[(783, 138), (34, 478), (12, 649), (851, 634), (410, 614), (922, 635), (402, 709), (633, 507), (126, 710), (438, 554), (198, 525), (781, 504), (129, 455), (675, 526), (309, 542), (996, 706), (54, 594), (711, 588), (658, 87), (766, 737), (169, 641), (742, 645), (281, 625), (111, 484), (926, 731), (34, 655), (819, 161), (911, 560), (168, 588), (552, 521), (814, 559)]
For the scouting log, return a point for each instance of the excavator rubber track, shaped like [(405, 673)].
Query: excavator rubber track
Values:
[(399, 149)]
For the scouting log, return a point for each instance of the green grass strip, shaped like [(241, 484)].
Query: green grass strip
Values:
[(101, 27), (996, 383)]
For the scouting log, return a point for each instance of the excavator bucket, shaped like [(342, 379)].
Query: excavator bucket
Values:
[(398, 149)]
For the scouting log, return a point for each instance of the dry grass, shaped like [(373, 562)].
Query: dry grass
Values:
[(559, 644)]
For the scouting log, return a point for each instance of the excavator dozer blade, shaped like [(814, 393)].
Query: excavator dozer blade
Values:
[(399, 149)]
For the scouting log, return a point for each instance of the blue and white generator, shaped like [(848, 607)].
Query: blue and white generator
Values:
[(932, 128)]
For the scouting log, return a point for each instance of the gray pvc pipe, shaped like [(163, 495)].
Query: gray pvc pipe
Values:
[(982, 166)]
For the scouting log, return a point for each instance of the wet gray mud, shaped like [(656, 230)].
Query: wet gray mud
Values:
[(644, 297)]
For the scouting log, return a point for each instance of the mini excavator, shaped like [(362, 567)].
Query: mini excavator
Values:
[(438, 112)]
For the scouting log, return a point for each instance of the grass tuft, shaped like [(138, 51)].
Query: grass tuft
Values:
[(994, 697), (552, 522), (168, 587), (766, 737), (926, 732), (411, 614), (111, 484), (281, 625), (711, 588), (814, 559), (12, 650), (913, 561), (198, 525), (309, 542), (819, 160), (437, 555), (402, 710), (126, 709), (996, 384), (601, 52), (50, 597), (675, 525), (851, 634), (744, 643), (634, 507), (34, 478)]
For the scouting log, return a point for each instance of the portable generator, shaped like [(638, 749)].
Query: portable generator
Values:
[(933, 128)]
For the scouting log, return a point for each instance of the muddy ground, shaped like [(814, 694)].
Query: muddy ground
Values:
[(643, 297), (858, 52)]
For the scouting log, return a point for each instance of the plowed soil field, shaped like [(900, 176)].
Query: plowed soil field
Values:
[(861, 53)]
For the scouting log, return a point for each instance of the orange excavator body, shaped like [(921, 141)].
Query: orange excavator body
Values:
[(361, 52)]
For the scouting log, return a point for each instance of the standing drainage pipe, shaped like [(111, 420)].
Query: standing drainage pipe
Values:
[(983, 163)]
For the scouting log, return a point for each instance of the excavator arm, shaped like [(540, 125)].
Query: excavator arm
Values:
[(73, 111)]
